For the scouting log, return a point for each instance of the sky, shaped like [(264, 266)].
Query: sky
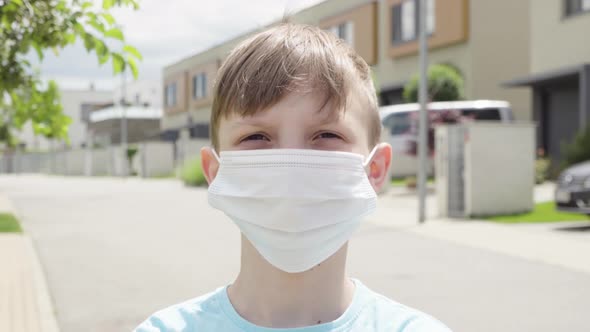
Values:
[(165, 34)]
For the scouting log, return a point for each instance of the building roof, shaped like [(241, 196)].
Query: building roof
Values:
[(130, 112), (546, 77)]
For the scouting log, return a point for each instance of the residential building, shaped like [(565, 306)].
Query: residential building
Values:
[(105, 125), (489, 42), (142, 111), (559, 71), (142, 92)]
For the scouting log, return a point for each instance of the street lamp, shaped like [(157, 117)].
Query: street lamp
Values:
[(422, 128), (123, 124)]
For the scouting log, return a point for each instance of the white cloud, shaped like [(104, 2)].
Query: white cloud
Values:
[(167, 33)]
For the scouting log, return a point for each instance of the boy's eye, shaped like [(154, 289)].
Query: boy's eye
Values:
[(255, 137), (328, 135)]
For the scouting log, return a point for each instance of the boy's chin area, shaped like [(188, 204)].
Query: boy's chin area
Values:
[(253, 263)]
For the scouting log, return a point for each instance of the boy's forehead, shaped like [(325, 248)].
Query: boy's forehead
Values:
[(314, 106), (301, 109)]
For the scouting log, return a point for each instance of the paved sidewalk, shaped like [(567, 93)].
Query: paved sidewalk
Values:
[(25, 305), (549, 243), (548, 246)]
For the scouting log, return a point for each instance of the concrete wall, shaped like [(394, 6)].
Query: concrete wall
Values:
[(557, 41), (190, 148), (155, 159), (499, 168), (25, 163), (98, 162), (74, 162)]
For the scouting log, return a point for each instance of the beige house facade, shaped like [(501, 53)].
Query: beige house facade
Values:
[(559, 76), (489, 42)]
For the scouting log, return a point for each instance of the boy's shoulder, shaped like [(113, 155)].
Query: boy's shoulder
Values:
[(394, 316), (203, 312)]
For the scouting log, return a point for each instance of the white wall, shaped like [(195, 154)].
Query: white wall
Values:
[(155, 159), (190, 148), (499, 168), (97, 162)]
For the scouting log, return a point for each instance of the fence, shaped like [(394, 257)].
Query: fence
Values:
[(153, 159)]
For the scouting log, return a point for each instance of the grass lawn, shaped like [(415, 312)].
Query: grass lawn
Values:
[(543, 212), (8, 223)]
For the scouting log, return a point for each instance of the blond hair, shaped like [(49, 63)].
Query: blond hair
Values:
[(288, 57)]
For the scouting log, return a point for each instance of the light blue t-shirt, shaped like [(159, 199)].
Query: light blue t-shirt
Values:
[(368, 312)]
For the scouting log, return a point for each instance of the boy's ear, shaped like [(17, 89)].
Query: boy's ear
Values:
[(209, 163), (379, 166)]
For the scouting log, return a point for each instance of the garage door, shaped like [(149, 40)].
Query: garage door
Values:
[(562, 117)]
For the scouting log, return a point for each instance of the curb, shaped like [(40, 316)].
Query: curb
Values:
[(45, 308), (46, 311)]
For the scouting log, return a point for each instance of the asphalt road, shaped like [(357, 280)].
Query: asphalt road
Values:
[(114, 251)]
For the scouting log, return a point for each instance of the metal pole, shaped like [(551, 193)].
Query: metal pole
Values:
[(423, 125), (123, 126)]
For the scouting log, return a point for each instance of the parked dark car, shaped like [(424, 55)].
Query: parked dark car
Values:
[(573, 189)]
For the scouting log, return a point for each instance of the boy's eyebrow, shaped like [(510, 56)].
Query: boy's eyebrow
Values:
[(248, 122), (328, 116)]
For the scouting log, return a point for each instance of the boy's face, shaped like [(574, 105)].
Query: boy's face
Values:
[(296, 122)]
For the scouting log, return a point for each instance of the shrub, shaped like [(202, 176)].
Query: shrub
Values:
[(411, 181), (542, 166), (9, 223), (445, 83), (541, 170), (131, 153), (579, 150), (191, 173)]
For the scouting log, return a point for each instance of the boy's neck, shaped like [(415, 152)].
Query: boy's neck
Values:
[(267, 296)]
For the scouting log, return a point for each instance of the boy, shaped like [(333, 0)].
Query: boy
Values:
[(295, 164)]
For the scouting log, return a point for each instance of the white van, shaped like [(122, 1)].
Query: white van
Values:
[(398, 120)]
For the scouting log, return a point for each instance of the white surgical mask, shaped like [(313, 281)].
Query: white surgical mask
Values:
[(296, 207)]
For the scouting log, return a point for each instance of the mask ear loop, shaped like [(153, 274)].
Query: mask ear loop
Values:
[(371, 156), (215, 155)]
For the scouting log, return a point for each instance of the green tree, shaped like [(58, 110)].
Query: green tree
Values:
[(445, 83), (41, 25)]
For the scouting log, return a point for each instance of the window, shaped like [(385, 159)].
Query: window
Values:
[(405, 20), (409, 20), (398, 123), (430, 16), (573, 7), (170, 95), (482, 114), (199, 130), (344, 31), (200, 86)]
